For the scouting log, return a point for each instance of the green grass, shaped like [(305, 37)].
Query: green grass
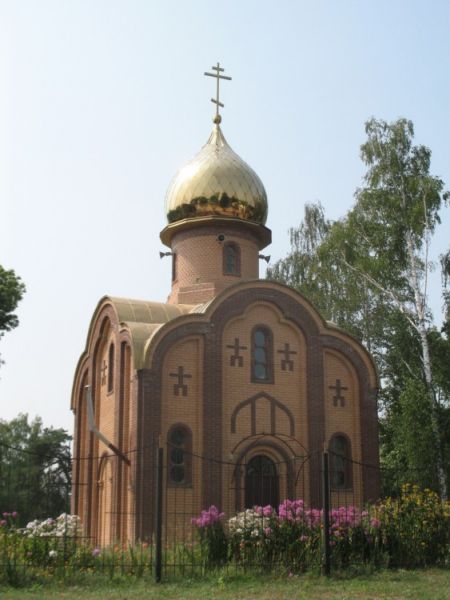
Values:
[(430, 584)]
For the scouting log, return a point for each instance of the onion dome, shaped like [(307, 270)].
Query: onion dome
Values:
[(216, 182)]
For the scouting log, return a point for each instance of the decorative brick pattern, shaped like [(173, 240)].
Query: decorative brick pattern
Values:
[(324, 384)]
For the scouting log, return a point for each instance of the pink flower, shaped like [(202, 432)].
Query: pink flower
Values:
[(304, 538), (14, 514), (96, 551), (2, 522), (375, 523), (208, 517)]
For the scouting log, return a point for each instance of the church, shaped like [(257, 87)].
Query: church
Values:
[(236, 377)]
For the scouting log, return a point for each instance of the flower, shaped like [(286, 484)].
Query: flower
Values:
[(208, 517), (96, 551), (53, 554)]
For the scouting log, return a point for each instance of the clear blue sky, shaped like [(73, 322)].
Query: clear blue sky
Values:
[(102, 101)]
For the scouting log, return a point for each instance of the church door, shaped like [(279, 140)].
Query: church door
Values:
[(261, 483)]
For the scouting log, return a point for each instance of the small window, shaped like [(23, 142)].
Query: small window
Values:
[(231, 259), (179, 442), (174, 267), (340, 463), (262, 359), (111, 358)]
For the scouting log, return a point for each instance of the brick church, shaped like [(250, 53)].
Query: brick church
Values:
[(231, 370)]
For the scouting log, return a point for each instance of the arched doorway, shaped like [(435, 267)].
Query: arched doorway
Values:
[(261, 482)]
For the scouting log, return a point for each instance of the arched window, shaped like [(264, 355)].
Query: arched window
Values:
[(111, 358), (179, 449), (262, 355), (231, 259), (340, 462)]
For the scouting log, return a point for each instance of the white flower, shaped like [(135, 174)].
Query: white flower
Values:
[(53, 554)]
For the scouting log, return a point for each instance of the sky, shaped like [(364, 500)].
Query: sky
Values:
[(102, 101)]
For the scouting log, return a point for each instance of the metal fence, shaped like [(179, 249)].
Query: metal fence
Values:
[(265, 520)]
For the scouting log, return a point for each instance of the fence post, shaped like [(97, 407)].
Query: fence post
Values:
[(159, 514), (326, 559)]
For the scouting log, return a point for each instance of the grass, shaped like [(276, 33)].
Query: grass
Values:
[(429, 584)]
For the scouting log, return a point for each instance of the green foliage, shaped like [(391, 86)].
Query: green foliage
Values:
[(412, 530), (415, 528), (367, 272), (409, 452), (11, 292), (35, 468)]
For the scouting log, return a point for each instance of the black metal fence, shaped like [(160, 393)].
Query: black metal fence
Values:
[(266, 519)]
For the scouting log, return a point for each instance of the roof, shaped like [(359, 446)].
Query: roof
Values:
[(143, 319)]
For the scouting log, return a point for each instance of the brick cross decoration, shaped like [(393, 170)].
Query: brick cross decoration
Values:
[(286, 361), (180, 385), (103, 372), (236, 357), (338, 397)]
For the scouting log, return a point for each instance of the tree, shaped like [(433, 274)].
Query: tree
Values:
[(35, 468), (379, 254), (11, 292)]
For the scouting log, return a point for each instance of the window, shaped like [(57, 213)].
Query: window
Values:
[(261, 483), (262, 363), (179, 444), (111, 368), (231, 259), (340, 463), (174, 267)]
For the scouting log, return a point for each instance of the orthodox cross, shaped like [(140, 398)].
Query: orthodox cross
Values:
[(286, 361), (338, 397), (218, 76), (236, 357), (181, 376), (103, 372)]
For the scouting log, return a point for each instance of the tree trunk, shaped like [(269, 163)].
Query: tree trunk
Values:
[(419, 302)]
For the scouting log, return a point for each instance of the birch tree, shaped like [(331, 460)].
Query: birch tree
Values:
[(386, 237), (368, 272)]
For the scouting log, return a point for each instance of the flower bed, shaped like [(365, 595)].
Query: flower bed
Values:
[(410, 531)]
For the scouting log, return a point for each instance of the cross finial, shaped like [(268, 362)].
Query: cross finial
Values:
[(218, 70)]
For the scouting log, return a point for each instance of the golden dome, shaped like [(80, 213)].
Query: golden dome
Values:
[(216, 182)]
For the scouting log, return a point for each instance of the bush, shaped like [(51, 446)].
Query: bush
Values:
[(412, 530), (213, 542), (415, 528)]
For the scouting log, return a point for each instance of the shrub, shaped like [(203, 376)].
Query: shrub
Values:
[(415, 528), (213, 542)]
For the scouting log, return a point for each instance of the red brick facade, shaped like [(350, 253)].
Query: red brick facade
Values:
[(195, 371)]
